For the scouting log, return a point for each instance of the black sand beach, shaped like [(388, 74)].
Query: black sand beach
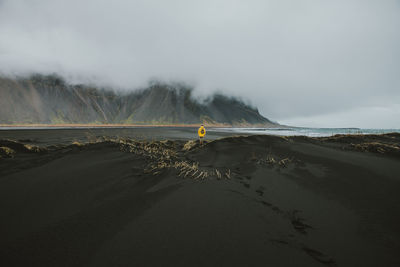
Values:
[(155, 198)]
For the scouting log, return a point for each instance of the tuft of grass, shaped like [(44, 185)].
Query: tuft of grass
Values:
[(76, 143), (270, 160), (33, 148), (6, 152), (189, 145), (284, 162), (218, 174), (228, 174)]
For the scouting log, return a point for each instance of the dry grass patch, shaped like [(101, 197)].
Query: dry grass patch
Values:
[(284, 162), (163, 155), (376, 147)]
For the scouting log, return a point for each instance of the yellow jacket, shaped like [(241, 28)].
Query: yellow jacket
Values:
[(202, 131)]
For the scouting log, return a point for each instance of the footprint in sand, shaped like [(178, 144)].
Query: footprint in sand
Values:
[(266, 203), (313, 253), (298, 222), (260, 191), (319, 256), (247, 185)]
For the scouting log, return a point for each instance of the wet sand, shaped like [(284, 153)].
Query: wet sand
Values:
[(120, 200)]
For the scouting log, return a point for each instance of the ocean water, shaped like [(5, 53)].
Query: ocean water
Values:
[(312, 132), (170, 131)]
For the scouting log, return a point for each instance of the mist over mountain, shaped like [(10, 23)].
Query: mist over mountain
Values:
[(51, 100)]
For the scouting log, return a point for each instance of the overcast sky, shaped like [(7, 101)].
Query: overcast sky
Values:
[(304, 62)]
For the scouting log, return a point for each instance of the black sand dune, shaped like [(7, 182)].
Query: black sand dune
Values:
[(237, 201)]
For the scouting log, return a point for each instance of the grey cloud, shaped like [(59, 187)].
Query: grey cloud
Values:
[(290, 58)]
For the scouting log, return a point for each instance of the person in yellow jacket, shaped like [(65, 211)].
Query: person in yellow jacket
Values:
[(201, 132)]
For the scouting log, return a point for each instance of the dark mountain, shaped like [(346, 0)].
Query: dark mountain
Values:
[(50, 100)]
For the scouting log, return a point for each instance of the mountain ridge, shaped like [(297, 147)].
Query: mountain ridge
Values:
[(49, 99)]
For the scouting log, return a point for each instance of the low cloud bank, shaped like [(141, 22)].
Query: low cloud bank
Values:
[(291, 59)]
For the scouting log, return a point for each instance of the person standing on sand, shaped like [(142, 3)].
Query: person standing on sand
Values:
[(201, 132)]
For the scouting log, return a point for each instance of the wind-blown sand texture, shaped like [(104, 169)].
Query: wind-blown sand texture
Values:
[(235, 201)]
